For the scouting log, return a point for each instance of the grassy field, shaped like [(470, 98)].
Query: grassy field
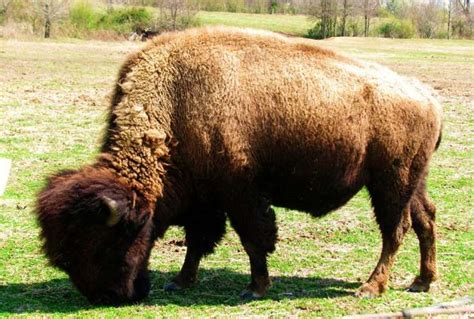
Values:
[(297, 25), (53, 99)]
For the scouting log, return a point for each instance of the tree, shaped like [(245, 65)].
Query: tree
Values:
[(346, 10), (427, 18), (326, 12), (4, 5), (465, 8), (369, 8), (176, 14), (450, 8), (50, 11)]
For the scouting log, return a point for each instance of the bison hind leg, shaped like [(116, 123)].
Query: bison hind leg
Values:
[(391, 191), (204, 229), (393, 231), (423, 222)]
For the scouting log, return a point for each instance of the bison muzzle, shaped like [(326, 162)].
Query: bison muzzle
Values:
[(218, 123)]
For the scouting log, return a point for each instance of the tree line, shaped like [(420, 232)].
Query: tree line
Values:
[(389, 18), (396, 18)]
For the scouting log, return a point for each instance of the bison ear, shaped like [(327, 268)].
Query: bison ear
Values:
[(114, 214)]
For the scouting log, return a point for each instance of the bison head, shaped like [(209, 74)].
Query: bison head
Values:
[(98, 231)]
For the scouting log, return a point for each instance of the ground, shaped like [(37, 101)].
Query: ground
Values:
[(53, 101)]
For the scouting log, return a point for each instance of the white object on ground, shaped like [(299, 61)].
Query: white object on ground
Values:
[(5, 165)]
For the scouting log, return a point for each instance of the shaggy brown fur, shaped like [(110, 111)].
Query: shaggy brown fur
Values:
[(214, 122), (107, 264)]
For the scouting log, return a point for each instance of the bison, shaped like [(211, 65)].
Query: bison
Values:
[(218, 123)]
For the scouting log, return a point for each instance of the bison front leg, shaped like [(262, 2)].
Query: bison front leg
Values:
[(257, 230), (203, 232)]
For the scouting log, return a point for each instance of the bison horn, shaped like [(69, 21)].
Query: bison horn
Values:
[(114, 216)]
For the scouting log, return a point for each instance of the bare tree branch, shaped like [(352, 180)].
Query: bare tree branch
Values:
[(50, 11)]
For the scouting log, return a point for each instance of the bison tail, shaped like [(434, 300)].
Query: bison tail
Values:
[(439, 137)]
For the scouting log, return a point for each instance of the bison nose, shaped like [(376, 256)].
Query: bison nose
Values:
[(113, 299), (140, 290), (108, 298)]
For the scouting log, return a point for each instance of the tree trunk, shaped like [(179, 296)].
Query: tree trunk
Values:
[(174, 15), (47, 28), (344, 15), (366, 25), (449, 19), (47, 21), (366, 18), (343, 26), (324, 18)]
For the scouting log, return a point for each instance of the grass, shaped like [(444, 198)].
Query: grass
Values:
[(297, 25), (53, 99)]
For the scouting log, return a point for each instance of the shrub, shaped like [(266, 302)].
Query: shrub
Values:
[(322, 31), (235, 6), (82, 15), (441, 34), (314, 32), (317, 31), (257, 6), (125, 20), (396, 28), (86, 21), (426, 29), (460, 28), (354, 27), (183, 20), (213, 5), (17, 30)]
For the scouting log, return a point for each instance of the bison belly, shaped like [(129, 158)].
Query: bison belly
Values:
[(314, 178)]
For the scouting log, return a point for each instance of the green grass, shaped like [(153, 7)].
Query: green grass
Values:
[(52, 113), (297, 25)]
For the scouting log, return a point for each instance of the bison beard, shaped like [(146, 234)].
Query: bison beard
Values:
[(218, 123)]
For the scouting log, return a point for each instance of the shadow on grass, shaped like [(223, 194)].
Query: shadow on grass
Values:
[(216, 287)]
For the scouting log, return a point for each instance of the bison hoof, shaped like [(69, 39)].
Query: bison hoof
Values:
[(250, 295), (172, 286), (368, 291), (419, 285)]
